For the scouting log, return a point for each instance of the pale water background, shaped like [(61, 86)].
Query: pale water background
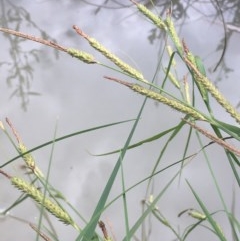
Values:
[(75, 96)]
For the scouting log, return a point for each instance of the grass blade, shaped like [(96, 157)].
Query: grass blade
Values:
[(62, 138), (88, 231), (213, 223)]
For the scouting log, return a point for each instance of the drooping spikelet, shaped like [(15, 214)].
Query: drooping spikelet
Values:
[(38, 196), (118, 62), (170, 102), (207, 84), (159, 97), (122, 65)]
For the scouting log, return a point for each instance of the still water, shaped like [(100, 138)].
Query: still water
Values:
[(66, 96)]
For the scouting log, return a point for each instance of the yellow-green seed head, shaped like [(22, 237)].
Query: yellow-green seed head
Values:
[(208, 85), (150, 15), (186, 90), (38, 196), (197, 215), (2, 126), (83, 56), (108, 239), (29, 160), (118, 62), (172, 103), (27, 157), (191, 58), (173, 34), (172, 79)]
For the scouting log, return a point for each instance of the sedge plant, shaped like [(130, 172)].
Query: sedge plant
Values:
[(49, 200)]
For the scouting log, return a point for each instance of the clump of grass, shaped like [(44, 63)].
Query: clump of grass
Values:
[(185, 105)]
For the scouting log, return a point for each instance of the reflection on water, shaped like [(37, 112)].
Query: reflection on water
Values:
[(76, 97), (20, 71)]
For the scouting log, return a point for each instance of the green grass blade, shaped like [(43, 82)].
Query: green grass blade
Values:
[(177, 129), (225, 126), (62, 138), (88, 231), (146, 179), (150, 139), (151, 207), (124, 198), (208, 215)]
